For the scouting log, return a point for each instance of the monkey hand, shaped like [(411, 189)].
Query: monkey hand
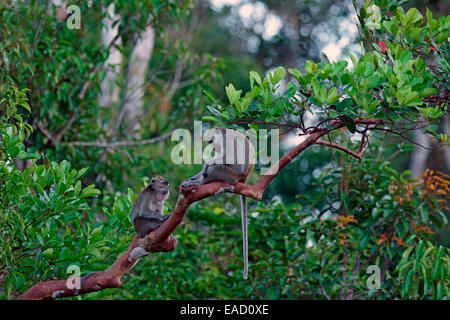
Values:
[(190, 183)]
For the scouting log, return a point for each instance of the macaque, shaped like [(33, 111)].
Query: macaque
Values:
[(147, 211), (232, 163)]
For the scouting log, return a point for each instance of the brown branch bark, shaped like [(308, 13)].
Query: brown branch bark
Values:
[(342, 148), (161, 240)]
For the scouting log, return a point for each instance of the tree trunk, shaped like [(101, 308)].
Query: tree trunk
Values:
[(137, 69), (446, 149), (109, 88), (418, 162)]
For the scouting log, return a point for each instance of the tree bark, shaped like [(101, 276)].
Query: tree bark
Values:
[(419, 156), (137, 70)]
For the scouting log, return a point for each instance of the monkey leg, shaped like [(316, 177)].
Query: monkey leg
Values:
[(221, 172), (196, 180), (145, 225)]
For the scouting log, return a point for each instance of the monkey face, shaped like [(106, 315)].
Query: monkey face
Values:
[(160, 186)]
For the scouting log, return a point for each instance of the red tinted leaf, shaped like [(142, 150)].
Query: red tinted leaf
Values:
[(382, 46)]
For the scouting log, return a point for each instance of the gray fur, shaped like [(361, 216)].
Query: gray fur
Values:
[(147, 210)]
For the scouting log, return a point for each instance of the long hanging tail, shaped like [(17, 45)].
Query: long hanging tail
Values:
[(244, 233)]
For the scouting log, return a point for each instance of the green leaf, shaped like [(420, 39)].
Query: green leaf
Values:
[(31, 156), (93, 252), (48, 252), (428, 92), (65, 254), (420, 249), (407, 252), (339, 66), (412, 16), (254, 76), (412, 99), (209, 118), (77, 188), (90, 191), (209, 95), (232, 93), (442, 37), (310, 66), (80, 172), (322, 94), (278, 75), (316, 87), (297, 75), (243, 105), (423, 212), (39, 189), (332, 96), (401, 15)]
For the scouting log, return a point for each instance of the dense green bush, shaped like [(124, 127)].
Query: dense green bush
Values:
[(46, 220)]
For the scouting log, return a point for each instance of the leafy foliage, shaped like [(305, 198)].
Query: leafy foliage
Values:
[(388, 84), (423, 272), (46, 220)]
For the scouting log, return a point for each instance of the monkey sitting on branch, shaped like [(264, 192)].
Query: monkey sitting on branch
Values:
[(147, 210), (232, 163)]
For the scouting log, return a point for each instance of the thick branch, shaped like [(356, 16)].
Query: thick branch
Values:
[(109, 278)]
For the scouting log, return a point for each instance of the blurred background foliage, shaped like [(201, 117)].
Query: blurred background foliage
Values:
[(97, 95)]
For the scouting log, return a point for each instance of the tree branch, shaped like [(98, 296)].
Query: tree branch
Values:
[(119, 143), (342, 148)]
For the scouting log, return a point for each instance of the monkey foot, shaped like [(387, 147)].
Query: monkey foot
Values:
[(188, 184)]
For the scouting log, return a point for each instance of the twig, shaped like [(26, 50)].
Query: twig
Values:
[(336, 146), (119, 143)]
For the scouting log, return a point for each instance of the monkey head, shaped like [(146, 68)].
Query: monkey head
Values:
[(160, 186)]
